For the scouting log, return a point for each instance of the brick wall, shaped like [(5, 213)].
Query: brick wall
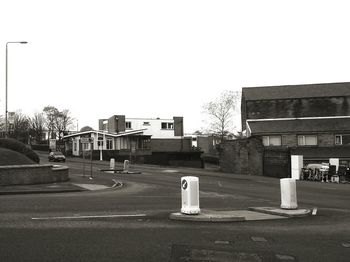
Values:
[(325, 139), (178, 126), (289, 140), (299, 107), (171, 145)]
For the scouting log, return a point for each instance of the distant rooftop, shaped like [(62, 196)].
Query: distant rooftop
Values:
[(296, 91)]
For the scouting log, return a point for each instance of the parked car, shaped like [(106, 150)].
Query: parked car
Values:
[(320, 167), (57, 157)]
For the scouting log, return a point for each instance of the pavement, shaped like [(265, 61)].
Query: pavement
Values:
[(74, 184)]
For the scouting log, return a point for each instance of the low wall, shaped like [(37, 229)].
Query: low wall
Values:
[(32, 174)]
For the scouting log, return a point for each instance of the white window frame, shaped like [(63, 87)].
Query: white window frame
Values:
[(86, 146), (303, 139), (341, 140), (109, 144), (268, 143)]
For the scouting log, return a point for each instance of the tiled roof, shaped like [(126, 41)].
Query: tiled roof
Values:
[(299, 126), (296, 91)]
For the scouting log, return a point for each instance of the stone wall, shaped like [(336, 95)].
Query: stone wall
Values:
[(32, 174), (242, 156)]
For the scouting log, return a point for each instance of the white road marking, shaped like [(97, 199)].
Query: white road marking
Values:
[(222, 242), (87, 217), (219, 183), (92, 186)]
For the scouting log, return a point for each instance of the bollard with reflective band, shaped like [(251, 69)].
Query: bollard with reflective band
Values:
[(190, 195), (288, 193)]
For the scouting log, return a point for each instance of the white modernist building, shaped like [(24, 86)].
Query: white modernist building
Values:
[(128, 134)]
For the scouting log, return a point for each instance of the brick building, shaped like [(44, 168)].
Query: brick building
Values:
[(311, 120)]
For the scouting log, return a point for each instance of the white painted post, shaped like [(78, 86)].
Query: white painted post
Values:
[(126, 166), (288, 193), (112, 164), (101, 158), (297, 164), (190, 195)]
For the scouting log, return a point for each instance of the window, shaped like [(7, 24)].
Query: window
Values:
[(109, 144), (309, 140), (128, 125), (86, 146), (272, 141), (166, 125), (338, 140), (100, 141), (146, 124)]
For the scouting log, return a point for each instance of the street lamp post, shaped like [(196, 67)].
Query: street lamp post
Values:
[(20, 42)]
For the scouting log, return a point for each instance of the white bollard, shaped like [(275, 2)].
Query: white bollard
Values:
[(288, 193), (111, 166), (112, 163), (296, 166), (126, 166), (190, 195)]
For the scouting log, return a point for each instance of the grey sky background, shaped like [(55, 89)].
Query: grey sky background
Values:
[(164, 58)]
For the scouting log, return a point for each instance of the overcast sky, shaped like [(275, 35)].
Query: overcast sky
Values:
[(164, 58)]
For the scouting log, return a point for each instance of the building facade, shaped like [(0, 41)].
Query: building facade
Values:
[(313, 120), (140, 136), (155, 127)]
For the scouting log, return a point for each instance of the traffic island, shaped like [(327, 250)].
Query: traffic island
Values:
[(301, 212), (224, 216), (209, 216)]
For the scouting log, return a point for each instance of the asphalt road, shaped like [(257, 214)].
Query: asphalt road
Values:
[(131, 223)]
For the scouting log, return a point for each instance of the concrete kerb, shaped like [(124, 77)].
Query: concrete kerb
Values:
[(252, 214), (300, 212), (208, 216)]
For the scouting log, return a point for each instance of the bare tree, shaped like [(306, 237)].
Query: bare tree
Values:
[(221, 111), (50, 121), (2, 126), (37, 125), (63, 121), (19, 129)]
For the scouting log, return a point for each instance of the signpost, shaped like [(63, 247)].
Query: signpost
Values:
[(84, 141)]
